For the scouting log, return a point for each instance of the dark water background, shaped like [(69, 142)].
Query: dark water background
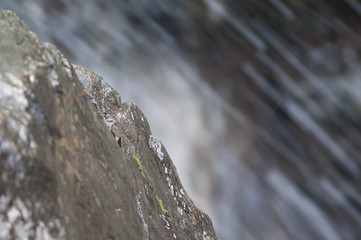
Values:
[(257, 102)]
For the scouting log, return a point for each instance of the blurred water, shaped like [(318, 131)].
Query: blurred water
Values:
[(257, 102)]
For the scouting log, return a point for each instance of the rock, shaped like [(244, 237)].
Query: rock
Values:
[(76, 162)]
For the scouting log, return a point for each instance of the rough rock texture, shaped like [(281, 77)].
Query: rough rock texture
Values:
[(77, 163)]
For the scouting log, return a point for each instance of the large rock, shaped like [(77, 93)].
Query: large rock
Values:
[(75, 162)]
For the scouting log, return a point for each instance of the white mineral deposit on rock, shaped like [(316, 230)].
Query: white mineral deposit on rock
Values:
[(140, 212), (12, 90), (156, 145), (54, 78)]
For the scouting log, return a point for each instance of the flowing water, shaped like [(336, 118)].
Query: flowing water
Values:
[(257, 102)]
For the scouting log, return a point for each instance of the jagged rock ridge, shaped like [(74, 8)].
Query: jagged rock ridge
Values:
[(75, 162)]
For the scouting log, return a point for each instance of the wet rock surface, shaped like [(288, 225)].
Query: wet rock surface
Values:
[(76, 162)]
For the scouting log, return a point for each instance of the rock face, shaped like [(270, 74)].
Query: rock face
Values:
[(76, 162)]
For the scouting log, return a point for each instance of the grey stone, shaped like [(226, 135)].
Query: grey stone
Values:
[(76, 162)]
